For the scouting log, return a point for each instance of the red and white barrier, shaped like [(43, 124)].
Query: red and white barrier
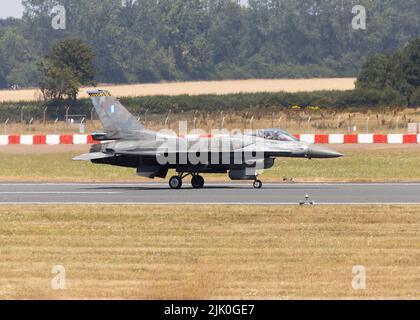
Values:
[(27, 140), (80, 139), (360, 138)]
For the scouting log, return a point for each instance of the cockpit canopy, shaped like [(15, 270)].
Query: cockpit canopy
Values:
[(276, 135)]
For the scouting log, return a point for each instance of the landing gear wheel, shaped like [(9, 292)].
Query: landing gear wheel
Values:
[(175, 183), (257, 184), (197, 182)]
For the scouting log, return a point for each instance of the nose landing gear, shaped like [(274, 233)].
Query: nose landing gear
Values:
[(258, 184)]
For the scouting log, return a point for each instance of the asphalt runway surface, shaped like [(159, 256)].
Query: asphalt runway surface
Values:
[(213, 193)]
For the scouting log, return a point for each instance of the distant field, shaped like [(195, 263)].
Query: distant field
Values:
[(217, 252), (198, 88), (374, 163)]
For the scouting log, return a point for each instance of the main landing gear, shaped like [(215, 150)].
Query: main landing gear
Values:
[(175, 183), (197, 181)]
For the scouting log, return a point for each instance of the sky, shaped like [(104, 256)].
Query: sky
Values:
[(11, 8)]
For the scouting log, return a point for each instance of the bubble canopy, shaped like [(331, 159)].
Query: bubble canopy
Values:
[(275, 134)]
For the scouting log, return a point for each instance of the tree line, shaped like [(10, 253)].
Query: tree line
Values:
[(254, 103), (397, 72), (151, 40)]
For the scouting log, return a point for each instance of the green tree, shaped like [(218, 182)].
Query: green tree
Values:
[(68, 66), (15, 59), (380, 72), (399, 71), (410, 64), (152, 40), (415, 98)]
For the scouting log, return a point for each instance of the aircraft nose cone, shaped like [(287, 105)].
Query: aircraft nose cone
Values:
[(319, 152)]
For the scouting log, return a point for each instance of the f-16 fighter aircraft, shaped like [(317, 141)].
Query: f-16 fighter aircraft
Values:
[(126, 143)]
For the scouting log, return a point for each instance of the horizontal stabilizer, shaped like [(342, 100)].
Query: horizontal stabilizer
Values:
[(93, 156)]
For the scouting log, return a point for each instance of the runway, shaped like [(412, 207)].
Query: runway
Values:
[(212, 194)]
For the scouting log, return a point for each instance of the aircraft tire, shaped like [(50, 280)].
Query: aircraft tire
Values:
[(258, 184), (197, 182), (175, 183)]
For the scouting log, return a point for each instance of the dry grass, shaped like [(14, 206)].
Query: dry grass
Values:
[(217, 252), (374, 163), (197, 88)]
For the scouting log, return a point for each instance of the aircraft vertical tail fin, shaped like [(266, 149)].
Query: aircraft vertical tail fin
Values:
[(115, 118)]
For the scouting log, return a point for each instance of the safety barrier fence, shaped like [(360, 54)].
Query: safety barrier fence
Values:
[(81, 139)]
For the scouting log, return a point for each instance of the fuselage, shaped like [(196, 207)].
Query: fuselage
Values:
[(127, 143), (205, 154)]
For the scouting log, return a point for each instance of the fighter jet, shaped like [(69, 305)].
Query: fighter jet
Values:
[(125, 142)]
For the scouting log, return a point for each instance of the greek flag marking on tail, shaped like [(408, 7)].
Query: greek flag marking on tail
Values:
[(114, 117)]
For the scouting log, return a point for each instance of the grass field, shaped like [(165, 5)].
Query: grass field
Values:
[(375, 163), (197, 88), (233, 252)]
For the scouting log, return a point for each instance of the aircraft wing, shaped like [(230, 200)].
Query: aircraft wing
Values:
[(155, 153)]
